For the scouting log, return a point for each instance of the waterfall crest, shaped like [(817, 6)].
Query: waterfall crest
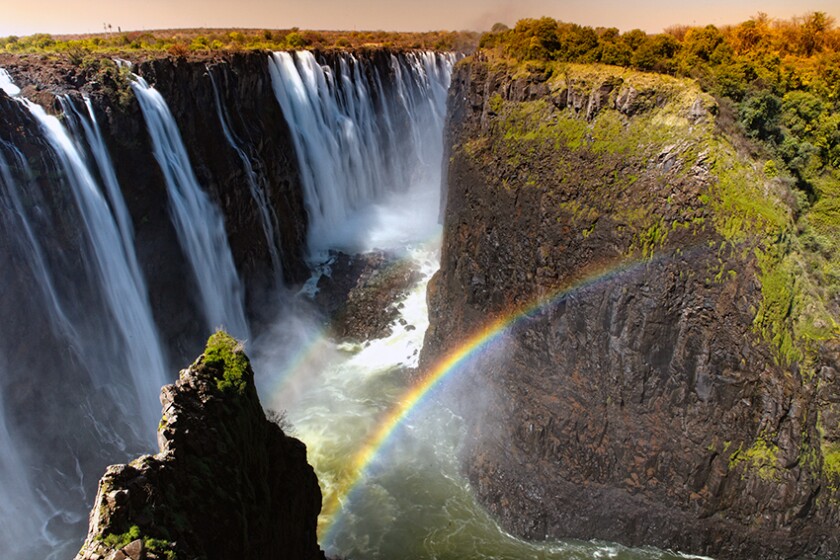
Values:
[(197, 220), (368, 143)]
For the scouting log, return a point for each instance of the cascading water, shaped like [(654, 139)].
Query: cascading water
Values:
[(368, 135), (86, 127), (114, 263), (79, 343), (368, 143), (268, 218), (197, 220), (21, 513)]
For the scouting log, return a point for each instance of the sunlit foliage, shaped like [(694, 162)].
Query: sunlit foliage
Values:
[(186, 41)]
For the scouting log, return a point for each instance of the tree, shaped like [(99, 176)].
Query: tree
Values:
[(634, 38), (657, 53), (703, 42), (759, 113), (813, 32)]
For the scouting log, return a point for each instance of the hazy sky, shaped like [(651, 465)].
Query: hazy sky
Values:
[(24, 17)]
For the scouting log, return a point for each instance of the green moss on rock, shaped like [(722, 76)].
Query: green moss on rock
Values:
[(831, 461), (762, 458), (226, 354), (118, 541)]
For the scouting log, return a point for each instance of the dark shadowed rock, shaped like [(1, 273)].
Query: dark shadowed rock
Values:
[(360, 293), (226, 484), (637, 400)]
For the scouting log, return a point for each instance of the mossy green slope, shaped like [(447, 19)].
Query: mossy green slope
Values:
[(750, 207)]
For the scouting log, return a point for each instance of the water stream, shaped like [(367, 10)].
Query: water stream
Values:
[(79, 344), (256, 186), (368, 138), (199, 222)]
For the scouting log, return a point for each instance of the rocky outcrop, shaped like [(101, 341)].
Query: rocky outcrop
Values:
[(227, 483), (360, 294), (635, 397)]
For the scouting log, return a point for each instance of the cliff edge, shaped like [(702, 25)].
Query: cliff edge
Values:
[(227, 483), (668, 375)]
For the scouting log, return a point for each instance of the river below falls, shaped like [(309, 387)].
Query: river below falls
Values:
[(412, 501)]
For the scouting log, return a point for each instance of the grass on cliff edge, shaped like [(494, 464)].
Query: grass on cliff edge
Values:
[(184, 42), (226, 354), (751, 204)]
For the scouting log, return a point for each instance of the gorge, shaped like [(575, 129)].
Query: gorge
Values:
[(592, 368)]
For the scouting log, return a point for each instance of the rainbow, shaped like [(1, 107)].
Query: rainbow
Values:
[(450, 363)]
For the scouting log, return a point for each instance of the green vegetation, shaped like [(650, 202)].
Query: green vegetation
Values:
[(783, 77), (831, 464), (161, 547), (225, 353), (762, 458), (121, 540), (183, 42), (777, 86)]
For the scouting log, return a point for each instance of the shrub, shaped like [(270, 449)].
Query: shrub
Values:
[(296, 40), (178, 49)]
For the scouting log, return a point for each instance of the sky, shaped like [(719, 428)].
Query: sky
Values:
[(24, 17)]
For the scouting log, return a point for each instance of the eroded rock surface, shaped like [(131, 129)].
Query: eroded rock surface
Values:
[(635, 399), (226, 484), (361, 293)]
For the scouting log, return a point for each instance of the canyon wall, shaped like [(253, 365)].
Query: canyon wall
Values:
[(644, 393)]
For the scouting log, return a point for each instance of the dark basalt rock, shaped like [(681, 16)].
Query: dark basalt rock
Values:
[(227, 483), (359, 294), (632, 405)]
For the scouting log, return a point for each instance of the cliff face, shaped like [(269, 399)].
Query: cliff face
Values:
[(227, 482), (255, 119), (641, 398)]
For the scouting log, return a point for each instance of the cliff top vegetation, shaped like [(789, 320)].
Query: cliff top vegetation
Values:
[(186, 42), (777, 86)]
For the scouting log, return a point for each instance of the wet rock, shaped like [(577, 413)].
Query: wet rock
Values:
[(635, 402), (361, 295)]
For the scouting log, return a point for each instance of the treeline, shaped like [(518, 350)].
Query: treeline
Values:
[(782, 75), (183, 42)]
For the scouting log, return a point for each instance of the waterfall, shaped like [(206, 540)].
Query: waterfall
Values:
[(82, 362), (20, 511), (85, 126), (7, 85), (197, 220), (115, 265), (256, 186), (368, 142)]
